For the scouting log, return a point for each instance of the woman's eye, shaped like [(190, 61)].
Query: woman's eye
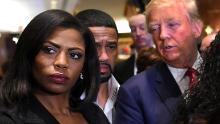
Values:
[(49, 49), (75, 55)]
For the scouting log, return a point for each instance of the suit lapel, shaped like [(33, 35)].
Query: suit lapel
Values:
[(166, 87)]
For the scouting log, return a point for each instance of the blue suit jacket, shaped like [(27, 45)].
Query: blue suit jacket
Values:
[(150, 97)]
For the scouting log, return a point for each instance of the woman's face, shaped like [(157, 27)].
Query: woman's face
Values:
[(59, 62)]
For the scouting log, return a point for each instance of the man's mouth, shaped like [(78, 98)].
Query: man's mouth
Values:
[(168, 48), (105, 68)]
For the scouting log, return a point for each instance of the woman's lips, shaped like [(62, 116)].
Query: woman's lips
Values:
[(59, 78)]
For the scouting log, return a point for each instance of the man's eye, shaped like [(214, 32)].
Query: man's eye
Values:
[(154, 28), (142, 27), (112, 46), (133, 29), (98, 45), (49, 49), (75, 55), (173, 25)]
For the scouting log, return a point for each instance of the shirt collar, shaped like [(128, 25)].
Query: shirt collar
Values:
[(113, 87), (198, 62), (178, 73)]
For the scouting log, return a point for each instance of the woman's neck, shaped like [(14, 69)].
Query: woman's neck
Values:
[(57, 104)]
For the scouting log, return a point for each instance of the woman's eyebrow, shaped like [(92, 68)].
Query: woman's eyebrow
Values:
[(52, 43)]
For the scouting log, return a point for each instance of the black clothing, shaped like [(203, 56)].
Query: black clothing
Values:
[(36, 113), (124, 70)]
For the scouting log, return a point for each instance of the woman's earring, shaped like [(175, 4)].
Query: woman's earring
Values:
[(81, 76)]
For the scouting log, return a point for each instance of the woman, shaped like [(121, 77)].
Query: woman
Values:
[(55, 61), (202, 104)]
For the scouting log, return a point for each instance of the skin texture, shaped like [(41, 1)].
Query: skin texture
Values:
[(62, 53), (106, 42), (174, 35), (139, 32)]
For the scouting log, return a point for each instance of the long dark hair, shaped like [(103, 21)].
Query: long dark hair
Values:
[(203, 102), (17, 85)]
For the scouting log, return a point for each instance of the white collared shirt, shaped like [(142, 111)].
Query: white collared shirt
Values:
[(113, 87), (179, 74), (135, 62)]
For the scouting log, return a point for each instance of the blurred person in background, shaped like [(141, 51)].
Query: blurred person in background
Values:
[(55, 61), (104, 29), (7, 48), (146, 58), (152, 97), (3, 54), (206, 41), (141, 38)]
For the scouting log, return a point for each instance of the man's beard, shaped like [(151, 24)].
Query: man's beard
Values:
[(104, 77)]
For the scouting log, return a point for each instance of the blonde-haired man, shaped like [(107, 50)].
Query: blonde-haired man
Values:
[(151, 97)]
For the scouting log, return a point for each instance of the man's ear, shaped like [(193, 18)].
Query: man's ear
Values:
[(197, 28)]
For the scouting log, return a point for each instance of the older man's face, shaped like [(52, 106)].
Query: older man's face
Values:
[(174, 35), (139, 32)]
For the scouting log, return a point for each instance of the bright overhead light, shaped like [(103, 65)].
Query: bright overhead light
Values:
[(123, 26), (15, 17), (53, 4), (208, 30)]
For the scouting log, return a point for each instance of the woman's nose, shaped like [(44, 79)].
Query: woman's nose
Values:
[(61, 61)]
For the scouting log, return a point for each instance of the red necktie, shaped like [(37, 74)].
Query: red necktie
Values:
[(192, 73)]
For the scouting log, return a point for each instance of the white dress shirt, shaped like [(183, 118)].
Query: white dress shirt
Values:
[(113, 87), (179, 74)]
